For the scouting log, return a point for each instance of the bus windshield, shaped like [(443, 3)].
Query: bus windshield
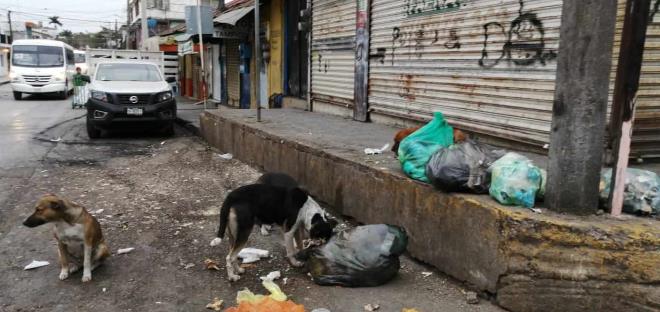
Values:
[(37, 56), (80, 58)]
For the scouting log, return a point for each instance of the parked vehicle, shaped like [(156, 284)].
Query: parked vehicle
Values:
[(81, 60), (129, 94), (41, 66)]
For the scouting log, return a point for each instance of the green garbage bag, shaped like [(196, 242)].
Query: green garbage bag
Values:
[(642, 191), (416, 150), (515, 180)]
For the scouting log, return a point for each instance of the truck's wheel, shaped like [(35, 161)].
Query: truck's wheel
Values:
[(93, 132), (63, 95), (18, 96)]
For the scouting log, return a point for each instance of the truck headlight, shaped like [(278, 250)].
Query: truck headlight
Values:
[(164, 96), (98, 95)]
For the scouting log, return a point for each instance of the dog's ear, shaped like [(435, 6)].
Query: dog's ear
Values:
[(57, 204)]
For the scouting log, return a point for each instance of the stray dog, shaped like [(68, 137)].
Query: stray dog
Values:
[(315, 222), (267, 204), (77, 232), (459, 136)]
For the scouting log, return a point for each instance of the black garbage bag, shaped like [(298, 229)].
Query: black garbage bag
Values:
[(364, 256), (462, 167)]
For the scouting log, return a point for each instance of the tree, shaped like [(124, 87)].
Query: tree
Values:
[(55, 20)]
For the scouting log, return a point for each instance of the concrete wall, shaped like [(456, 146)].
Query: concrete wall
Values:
[(532, 262)]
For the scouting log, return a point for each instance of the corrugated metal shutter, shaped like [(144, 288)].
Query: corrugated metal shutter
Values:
[(233, 73), (488, 65), (646, 134), (333, 51)]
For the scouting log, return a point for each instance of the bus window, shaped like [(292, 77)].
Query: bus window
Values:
[(80, 58), (37, 56), (70, 58)]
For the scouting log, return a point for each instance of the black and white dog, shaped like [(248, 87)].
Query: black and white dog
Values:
[(275, 199)]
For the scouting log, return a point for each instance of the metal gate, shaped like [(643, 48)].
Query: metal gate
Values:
[(488, 65), (333, 51), (646, 133), (233, 72)]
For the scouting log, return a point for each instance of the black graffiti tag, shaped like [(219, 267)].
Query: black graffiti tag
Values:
[(524, 46)]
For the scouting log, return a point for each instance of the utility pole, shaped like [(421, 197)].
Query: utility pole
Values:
[(201, 50), (143, 24), (11, 30), (128, 21), (116, 37), (579, 111), (257, 58)]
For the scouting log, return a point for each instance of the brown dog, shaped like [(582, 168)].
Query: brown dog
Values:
[(459, 136), (77, 232)]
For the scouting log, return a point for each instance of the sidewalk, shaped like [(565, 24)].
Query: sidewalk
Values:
[(529, 261)]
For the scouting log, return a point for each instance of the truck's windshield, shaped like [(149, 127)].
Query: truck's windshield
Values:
[(127, 72), (37, 56)]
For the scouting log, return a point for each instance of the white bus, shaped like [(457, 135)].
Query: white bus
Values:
[(81, 60), (41, 66)]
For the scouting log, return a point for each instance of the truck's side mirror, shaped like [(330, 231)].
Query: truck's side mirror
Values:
[(170, 79)]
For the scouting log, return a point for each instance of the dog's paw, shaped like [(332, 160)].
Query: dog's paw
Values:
[(216, 241), (64, 275), (73, 268), (233, 277), (240, 270), (86, 278), (295, 263)]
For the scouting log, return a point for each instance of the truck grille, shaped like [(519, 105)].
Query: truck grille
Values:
[(37, 80), (125, 99)]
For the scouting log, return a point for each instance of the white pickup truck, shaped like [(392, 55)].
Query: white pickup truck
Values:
[(128, 90)]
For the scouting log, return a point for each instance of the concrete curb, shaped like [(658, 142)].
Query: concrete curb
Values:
[(188, 126), (2, 83)]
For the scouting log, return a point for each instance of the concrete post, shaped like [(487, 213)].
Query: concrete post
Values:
[(580, 105)]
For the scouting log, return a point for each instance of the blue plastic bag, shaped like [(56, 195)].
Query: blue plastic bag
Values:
[(515, 180), (416, 149)]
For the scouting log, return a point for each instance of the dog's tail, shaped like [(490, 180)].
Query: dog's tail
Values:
[(224, 218)]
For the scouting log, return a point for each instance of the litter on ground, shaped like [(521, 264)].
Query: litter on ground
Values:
[(374, 151), (427, 274), (125, 250), (271, 276), (211, 265), (371, 307), (216, 305), (227, 156), (36, 264), (250, 255), (275, 302)]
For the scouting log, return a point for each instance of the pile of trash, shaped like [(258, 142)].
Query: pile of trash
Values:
[(432, 154), (364, 256), (275, 302)]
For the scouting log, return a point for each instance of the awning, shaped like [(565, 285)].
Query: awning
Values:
[(183, 37), (232, 17)]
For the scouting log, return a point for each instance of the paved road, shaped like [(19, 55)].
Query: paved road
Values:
[(162, 197)]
